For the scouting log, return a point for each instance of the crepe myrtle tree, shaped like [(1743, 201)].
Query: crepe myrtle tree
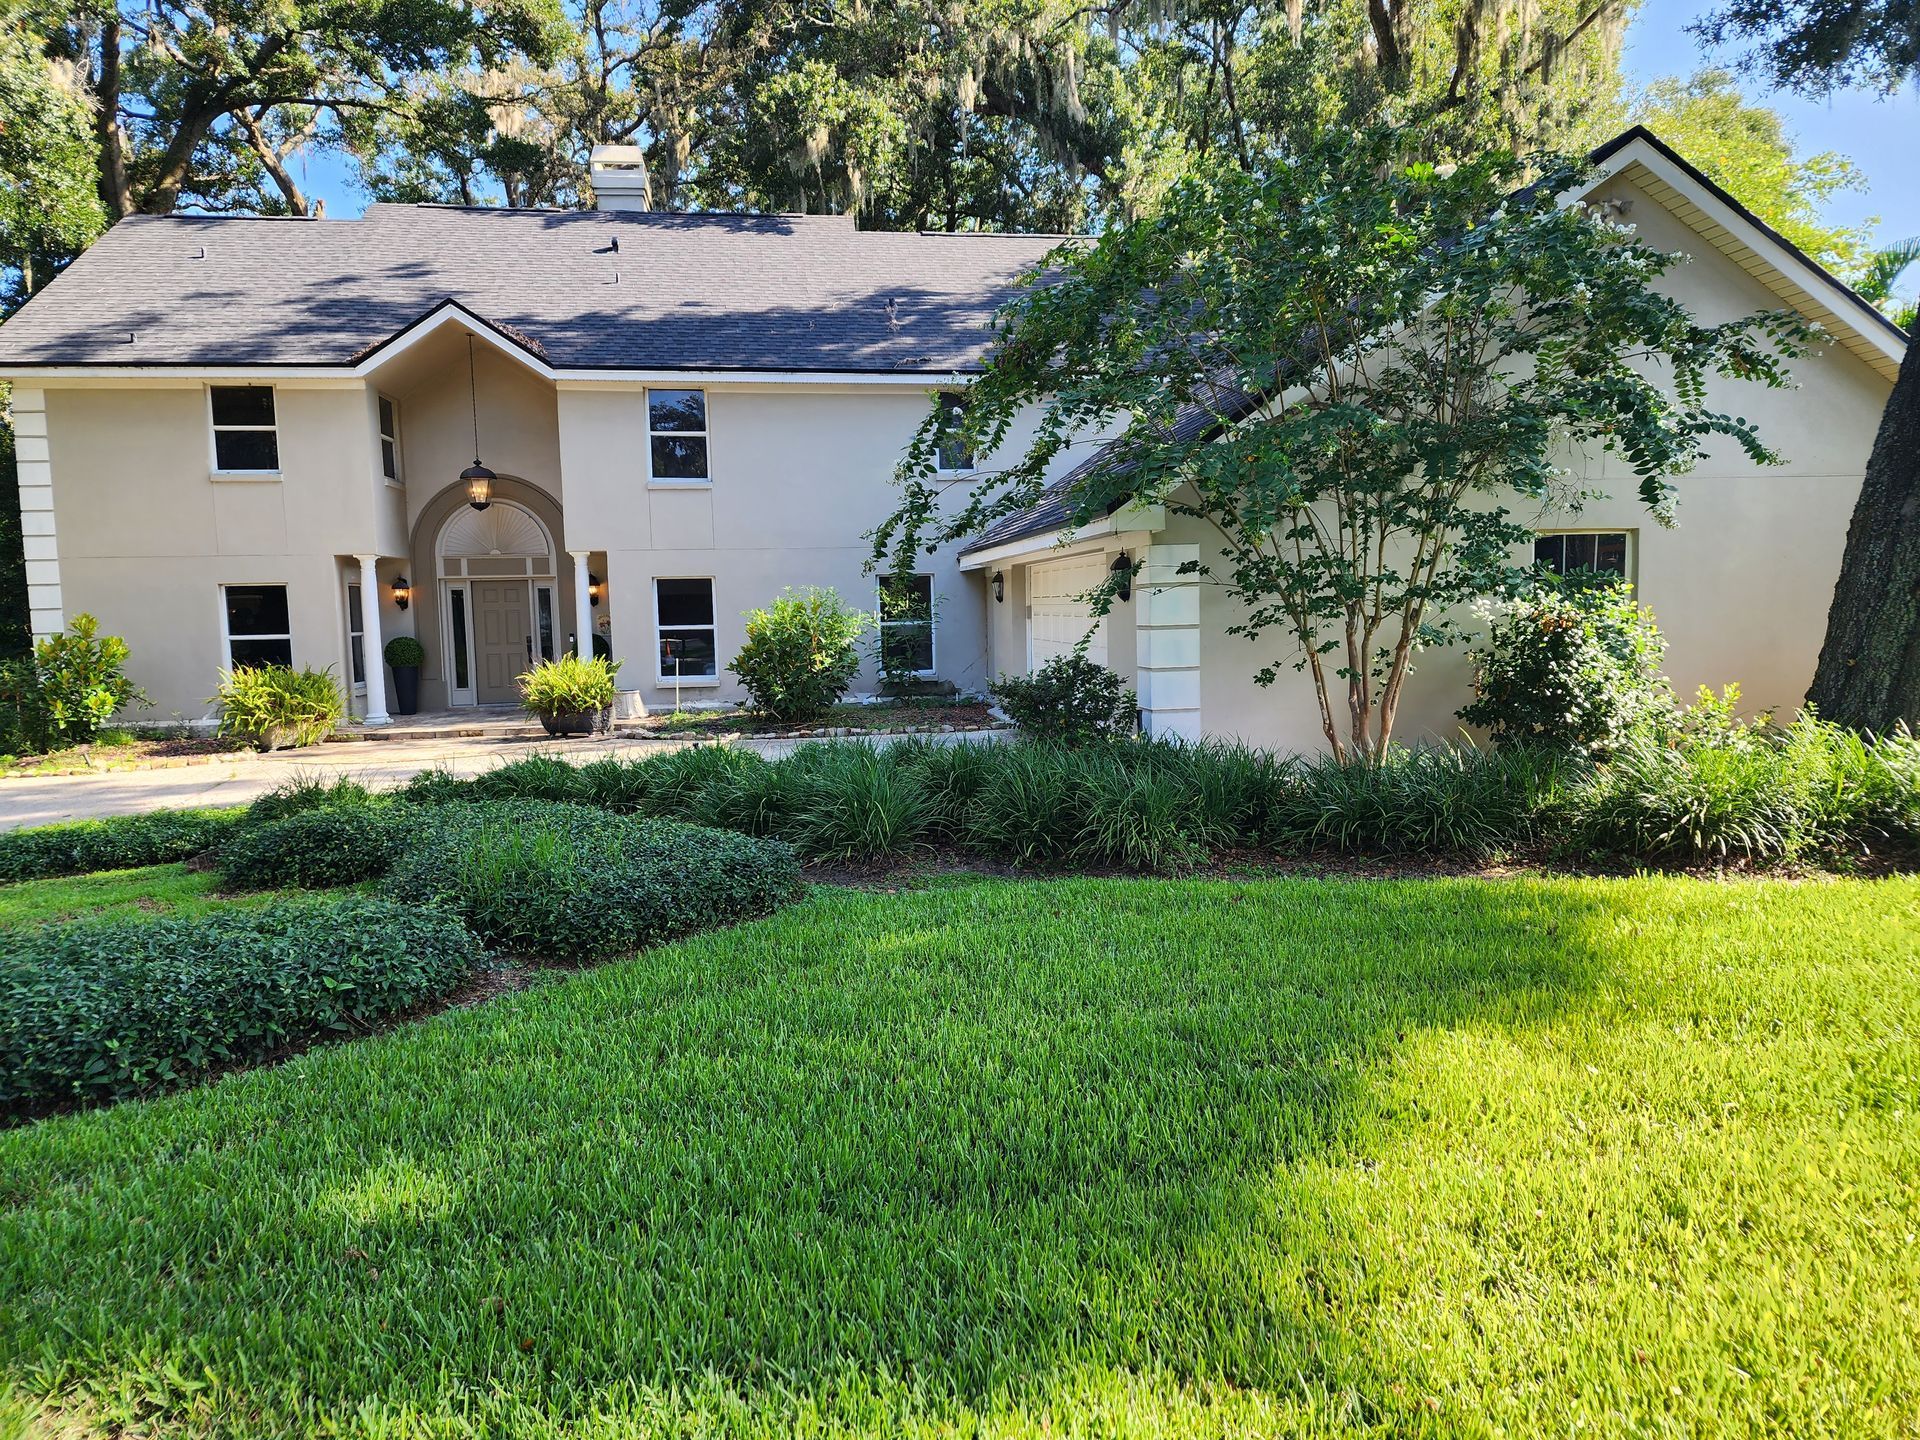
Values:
[(1347, 366)]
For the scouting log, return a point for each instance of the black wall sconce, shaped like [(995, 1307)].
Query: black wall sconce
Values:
[(1123, 576), (999, 587), (596, 587), (402, 592)]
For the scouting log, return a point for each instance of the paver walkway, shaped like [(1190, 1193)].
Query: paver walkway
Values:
[(42, 801)]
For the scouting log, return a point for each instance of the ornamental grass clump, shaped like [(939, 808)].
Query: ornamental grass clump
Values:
[(1444, 800), (572, 884), (103, 1009)]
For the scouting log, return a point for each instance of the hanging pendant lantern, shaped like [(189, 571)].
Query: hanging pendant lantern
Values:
[(476, 477)]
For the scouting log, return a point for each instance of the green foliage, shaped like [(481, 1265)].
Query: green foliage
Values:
[(403, 650), (67, 688), (275, 706), (859, 803), (1815, 47), (573, 884), (569, 685), (315, 849), (1570, 664), (1484, 329), (434, 786), (1747, 149), (1715, 787), (99, 1010), (1440, 801), (1070, 700), (304, 793), (49, 203), (538, 777), (115, 843), (801, 654)]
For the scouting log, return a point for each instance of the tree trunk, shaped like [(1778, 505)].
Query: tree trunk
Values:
[(106, 123), (1869, 671)]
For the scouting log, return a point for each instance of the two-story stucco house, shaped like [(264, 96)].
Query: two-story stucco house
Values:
[(250, 439)]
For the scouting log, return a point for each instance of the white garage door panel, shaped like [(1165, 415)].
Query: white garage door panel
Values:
[(1057, 619)]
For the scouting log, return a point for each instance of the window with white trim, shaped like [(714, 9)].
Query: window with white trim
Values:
[(1565, 551), (952, 455), (683, 626), (356, 635), (246, 439), (906, 624), (677, 436), (389, 439), (258, 631)]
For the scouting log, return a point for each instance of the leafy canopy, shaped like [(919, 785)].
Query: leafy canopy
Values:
[(1346, 368)]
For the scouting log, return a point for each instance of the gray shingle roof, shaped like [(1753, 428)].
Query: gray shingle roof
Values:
[(679, 292)]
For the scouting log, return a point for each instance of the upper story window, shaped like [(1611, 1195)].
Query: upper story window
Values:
[(389, 439), (1567, 551), (677, 436), (244, 436), (952, 454)]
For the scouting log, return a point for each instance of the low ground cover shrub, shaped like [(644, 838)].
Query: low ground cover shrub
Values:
[(97, 1010), (1070, 701), (314, 849), (117, 843), (801, 654), (276, 706), (572, 883)]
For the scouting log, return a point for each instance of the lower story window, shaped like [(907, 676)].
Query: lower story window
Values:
[(258, 631), (356, 636), (906, 624), (683, 611), (457, 614), (1567, 551)]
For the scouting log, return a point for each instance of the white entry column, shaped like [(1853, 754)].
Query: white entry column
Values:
[(582, 607), (370, 644)]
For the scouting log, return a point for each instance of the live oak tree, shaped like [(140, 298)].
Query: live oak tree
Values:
[(1347, 368)]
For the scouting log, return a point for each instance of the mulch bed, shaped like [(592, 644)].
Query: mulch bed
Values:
[(86, 761)]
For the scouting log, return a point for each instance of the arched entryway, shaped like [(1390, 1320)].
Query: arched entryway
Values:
[(499, 600)]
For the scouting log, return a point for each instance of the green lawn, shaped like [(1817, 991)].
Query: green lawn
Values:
[(150, 890), (1521, 1157)]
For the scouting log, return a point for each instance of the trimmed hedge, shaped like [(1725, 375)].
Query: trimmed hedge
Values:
[(314, 849), (572, 883), (102, 1009), (121, 842)]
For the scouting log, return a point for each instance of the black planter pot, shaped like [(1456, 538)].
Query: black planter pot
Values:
[(577, 722), (406, 689)]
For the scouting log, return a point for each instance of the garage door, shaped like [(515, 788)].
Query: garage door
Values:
[(1057, 617)]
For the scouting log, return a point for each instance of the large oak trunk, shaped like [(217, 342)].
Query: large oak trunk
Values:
[(1869, 671)]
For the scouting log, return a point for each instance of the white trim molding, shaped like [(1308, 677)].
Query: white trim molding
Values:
[(1167, 622), (33, 459)]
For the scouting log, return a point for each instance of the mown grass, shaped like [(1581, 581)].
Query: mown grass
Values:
[(147, 890), (1087, 1157)]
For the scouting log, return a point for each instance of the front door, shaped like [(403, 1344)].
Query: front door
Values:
[(502, 642)]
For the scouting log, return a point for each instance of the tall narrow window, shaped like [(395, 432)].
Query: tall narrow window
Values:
[(906, 624), (258, 632), (543, 618), (457, 609), (244, 437), (684, 620), (953, 454), (1565, 552), (389, 439), (356, 636), (677, 435)]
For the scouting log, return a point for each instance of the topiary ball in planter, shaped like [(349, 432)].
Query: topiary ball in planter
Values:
[(405, 655)]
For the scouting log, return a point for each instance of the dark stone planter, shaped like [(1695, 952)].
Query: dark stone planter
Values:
[(406, 689), (577, 722)]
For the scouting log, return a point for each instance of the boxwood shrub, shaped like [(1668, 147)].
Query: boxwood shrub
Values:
[(313, 849), (572, 883), (100, 1009), (117, 843)]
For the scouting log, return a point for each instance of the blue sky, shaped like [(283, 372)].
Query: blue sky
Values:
[(1881, 136)]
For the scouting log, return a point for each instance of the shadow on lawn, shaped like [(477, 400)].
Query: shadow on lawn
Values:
[(953, 1150)]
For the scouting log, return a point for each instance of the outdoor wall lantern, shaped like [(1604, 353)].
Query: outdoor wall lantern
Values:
[(402, 592), (999, 587), (596, 587), (1123, 576), (476, 477)]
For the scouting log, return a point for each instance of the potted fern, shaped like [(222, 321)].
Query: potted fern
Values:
[(273, 707), (405, 655), (571, 696)]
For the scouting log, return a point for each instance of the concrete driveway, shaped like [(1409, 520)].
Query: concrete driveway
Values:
[(376, 765)]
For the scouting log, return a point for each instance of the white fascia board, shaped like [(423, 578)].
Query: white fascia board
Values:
[(1128, 519)]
